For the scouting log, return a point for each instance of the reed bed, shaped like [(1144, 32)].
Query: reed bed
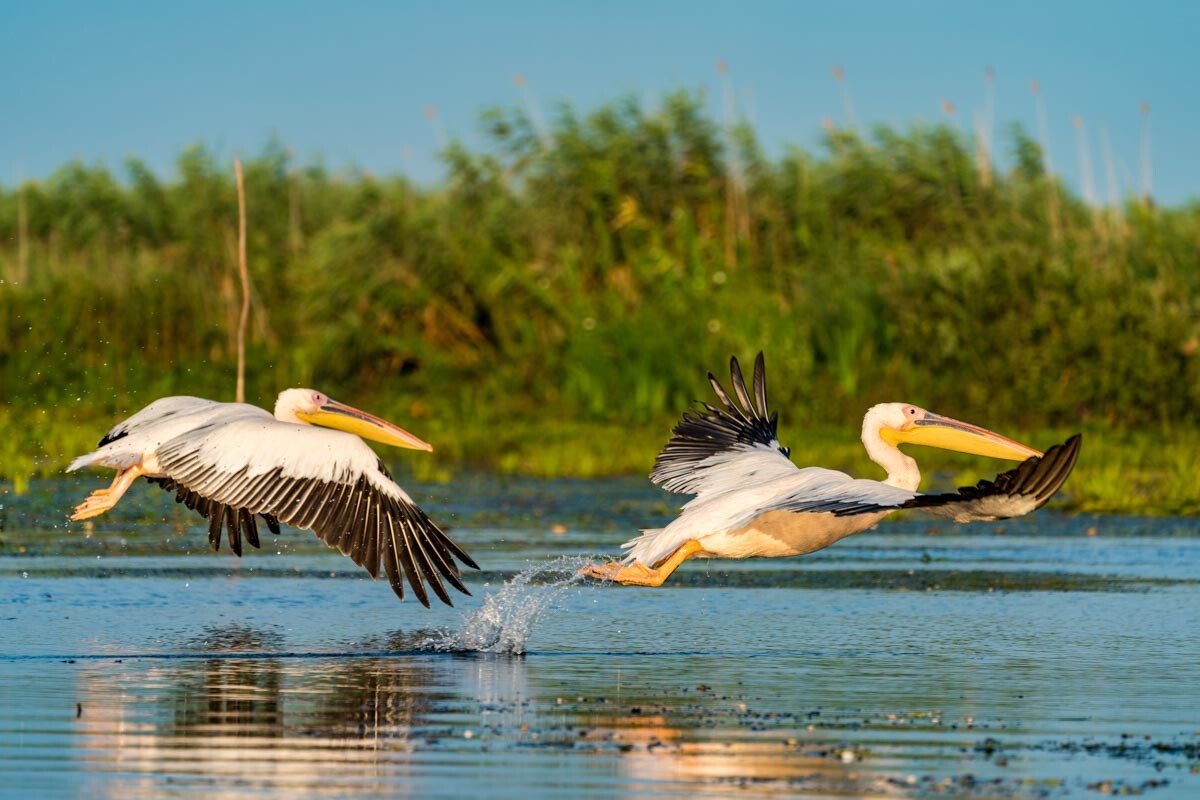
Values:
[(555, 301)]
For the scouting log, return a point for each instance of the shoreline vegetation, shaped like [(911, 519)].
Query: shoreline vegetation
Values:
[(553, 304)]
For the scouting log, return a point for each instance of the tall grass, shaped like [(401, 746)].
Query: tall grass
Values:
[(568, 282)]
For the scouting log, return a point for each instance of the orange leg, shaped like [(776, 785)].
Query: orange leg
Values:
[(112, 486), (102, 500), (638, 574)]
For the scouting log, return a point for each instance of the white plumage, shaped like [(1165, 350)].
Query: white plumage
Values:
[(752, 501), (233, 461), (732, 504)]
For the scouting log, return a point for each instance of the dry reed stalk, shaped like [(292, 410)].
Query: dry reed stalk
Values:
[(245, 275), (839, 75), (1110, 175), (949, 109), (984, 126), (295, 232), (1147, 164), (1043, 129), (733, 172), (1047, 166), (1086, 180), (533, 108), (22, 236), (439, 133)]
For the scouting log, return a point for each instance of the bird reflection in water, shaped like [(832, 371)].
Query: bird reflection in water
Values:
[(661, 753), (236, 714), (322, 725)]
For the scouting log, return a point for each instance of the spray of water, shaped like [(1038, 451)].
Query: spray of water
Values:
[(507, 617)]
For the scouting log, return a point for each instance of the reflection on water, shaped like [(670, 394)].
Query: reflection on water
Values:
[(243, 717), (1027, 660), (321, 726), (377, 726)]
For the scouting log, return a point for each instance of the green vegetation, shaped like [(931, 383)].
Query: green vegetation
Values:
[(553, 304)]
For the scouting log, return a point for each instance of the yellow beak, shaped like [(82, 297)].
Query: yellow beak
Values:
[(349, 419), (950, 434)]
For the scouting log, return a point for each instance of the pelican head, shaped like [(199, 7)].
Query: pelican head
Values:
[(902, 423), (310, 407)]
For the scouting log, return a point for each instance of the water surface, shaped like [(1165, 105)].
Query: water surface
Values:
[(1052, 656)]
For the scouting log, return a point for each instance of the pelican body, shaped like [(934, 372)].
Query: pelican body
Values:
[(232, 462), (751, 501)]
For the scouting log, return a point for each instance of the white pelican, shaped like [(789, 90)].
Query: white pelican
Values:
[(231, 461), (752, 501)]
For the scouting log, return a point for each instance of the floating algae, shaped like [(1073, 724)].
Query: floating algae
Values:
[(505, 621)]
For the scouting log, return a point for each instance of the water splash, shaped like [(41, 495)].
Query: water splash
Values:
[(505, 621)]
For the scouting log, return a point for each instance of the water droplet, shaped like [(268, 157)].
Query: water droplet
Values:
[(505, 621)]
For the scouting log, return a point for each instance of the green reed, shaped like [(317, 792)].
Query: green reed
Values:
[(555, 292)]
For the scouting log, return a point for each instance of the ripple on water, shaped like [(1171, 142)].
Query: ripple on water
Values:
[(1052, 656)]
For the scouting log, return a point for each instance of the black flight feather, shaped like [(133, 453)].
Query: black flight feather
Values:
[(366, 524), (711, 430), (1036, 478)]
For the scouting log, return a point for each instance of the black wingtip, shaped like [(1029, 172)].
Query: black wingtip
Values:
[(1037, 477), (112, 436), (740, 418), (215, 523), (1062, 460), (249, 527), (760, 384), (234, 532), (738, 380), (760, 367), (1042, 476)]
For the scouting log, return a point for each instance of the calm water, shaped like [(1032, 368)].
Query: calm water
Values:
[(1050, 657)]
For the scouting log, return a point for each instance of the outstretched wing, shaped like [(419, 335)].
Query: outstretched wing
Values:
[(1014, 493), (158, 412), (236, 522), (322, 480), (1010, 494), (824, 491), (715, 448)]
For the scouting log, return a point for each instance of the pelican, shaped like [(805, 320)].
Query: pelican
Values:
[(752, 501), (233, 461)]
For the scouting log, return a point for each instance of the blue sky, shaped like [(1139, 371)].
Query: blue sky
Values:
[(349, 82)]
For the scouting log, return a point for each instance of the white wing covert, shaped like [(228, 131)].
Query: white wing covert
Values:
[(326, 481), (826, 491), (718, 448), (159, 411)]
